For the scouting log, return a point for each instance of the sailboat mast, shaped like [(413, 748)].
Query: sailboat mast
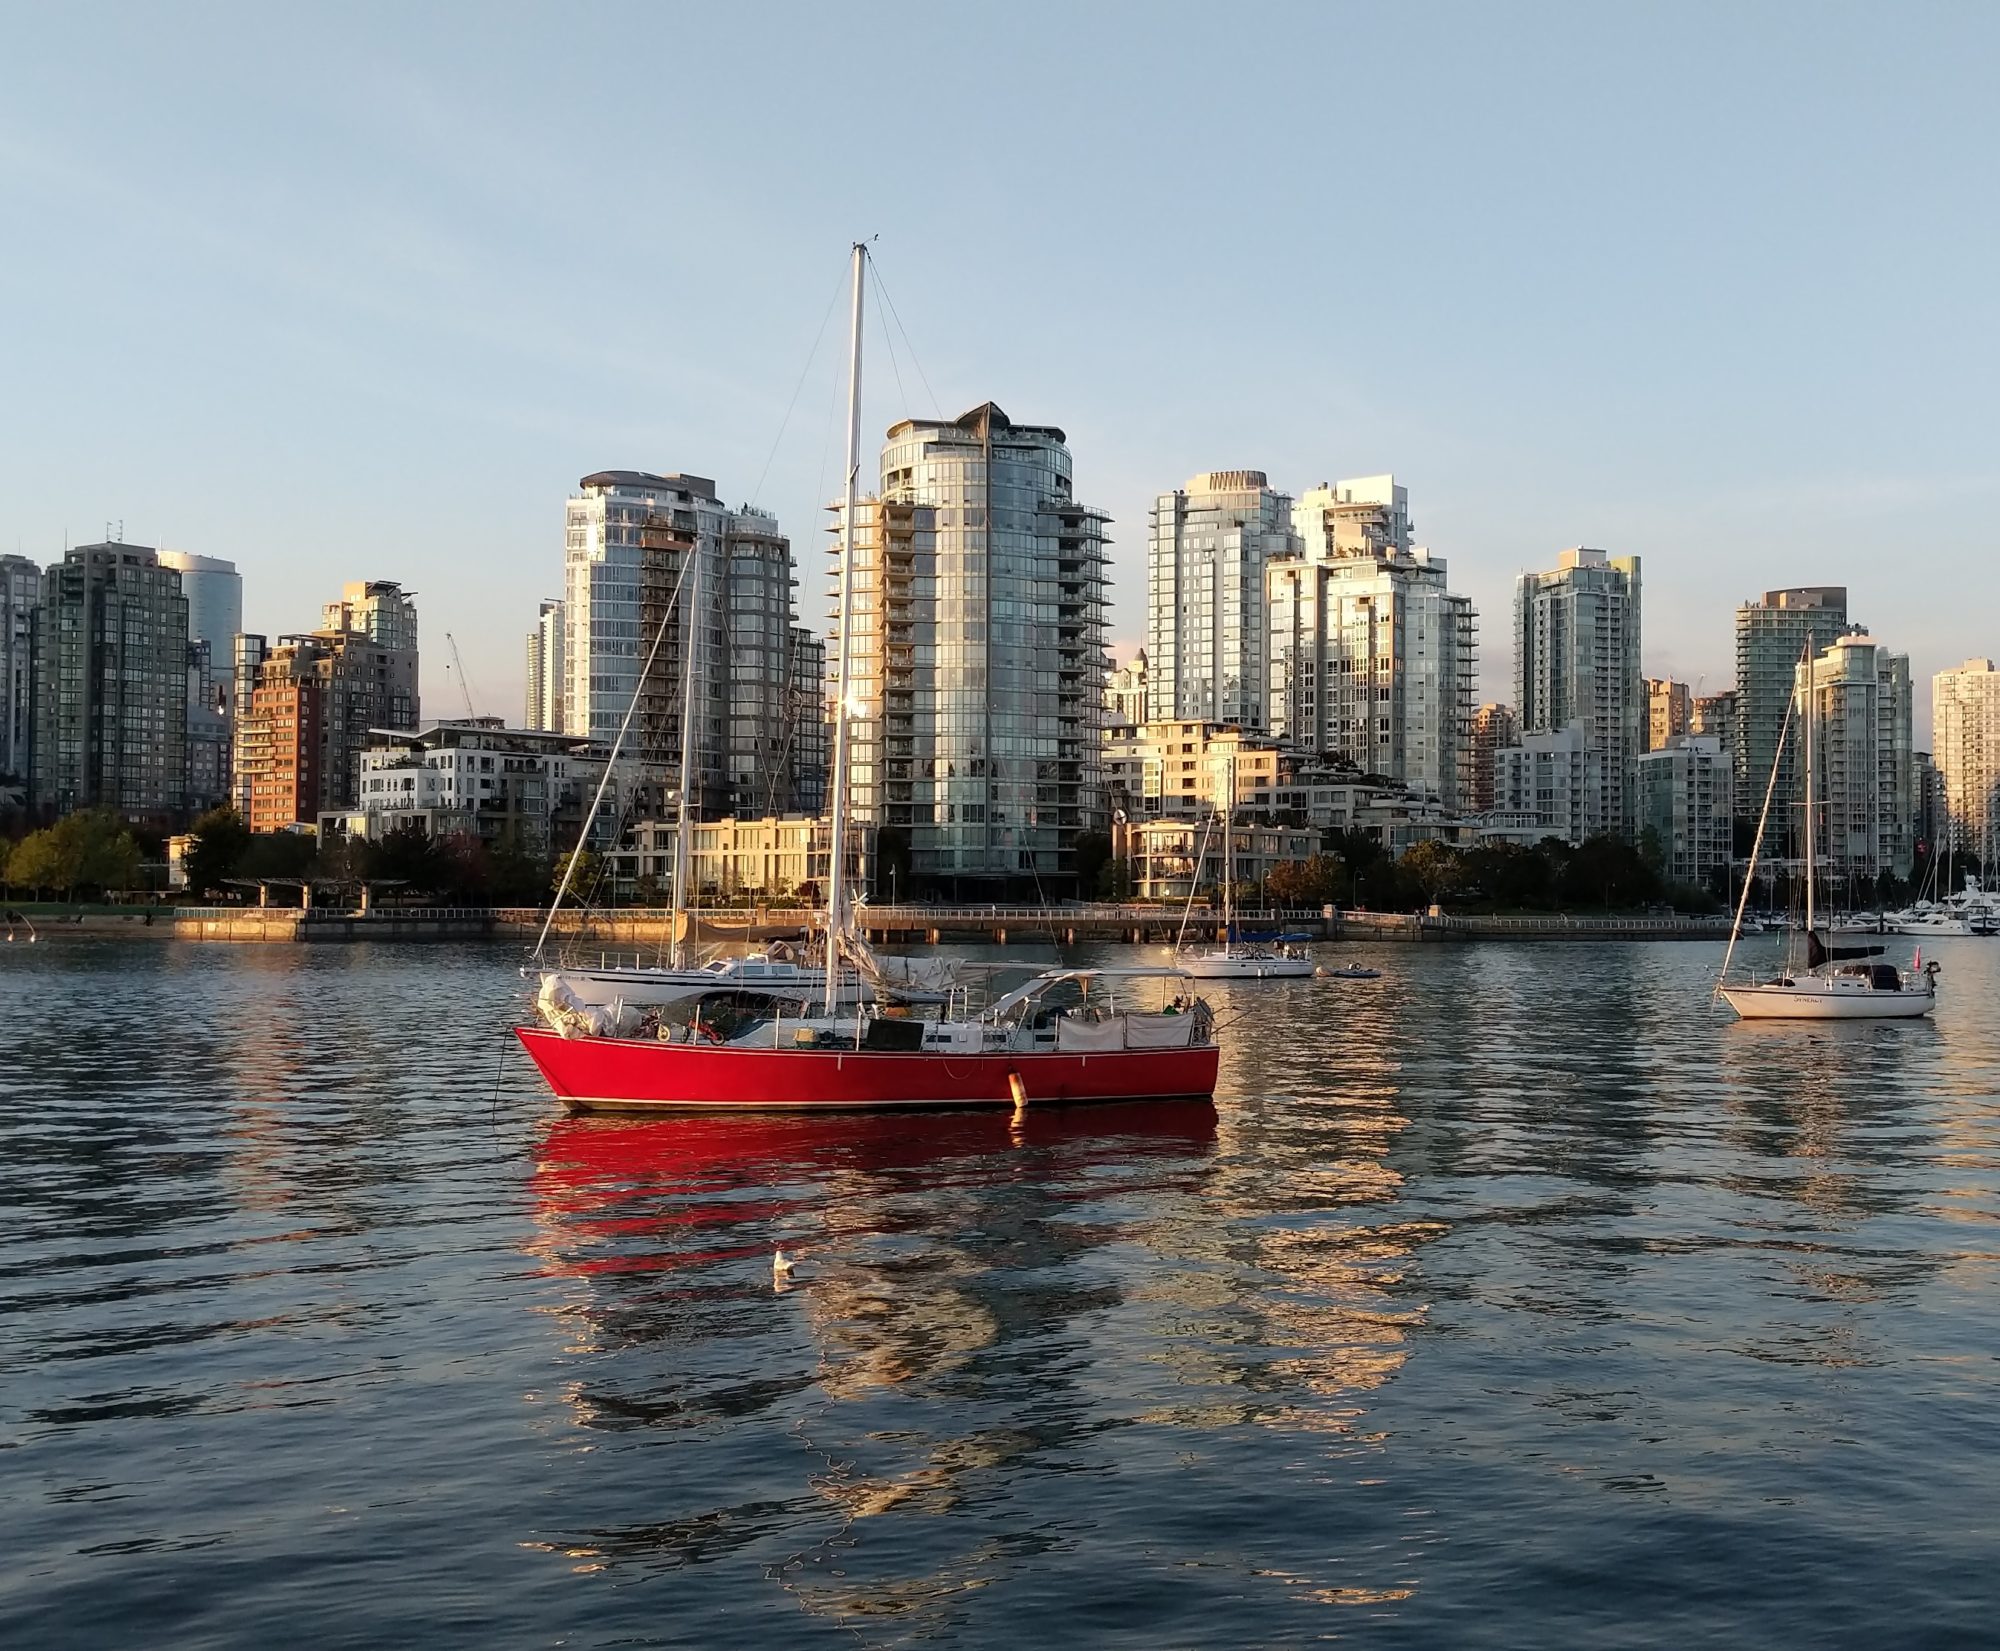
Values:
[(683, 831), (1811, 709), (837, 799), (1229, 862)]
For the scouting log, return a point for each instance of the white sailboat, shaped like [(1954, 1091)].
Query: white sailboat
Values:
[(1235, 959), (1838, 982), (578, 994)]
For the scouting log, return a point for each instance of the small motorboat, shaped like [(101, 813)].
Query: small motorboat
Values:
[(1350, 971)]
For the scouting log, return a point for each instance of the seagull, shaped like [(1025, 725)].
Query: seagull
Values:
[(781, 1266)]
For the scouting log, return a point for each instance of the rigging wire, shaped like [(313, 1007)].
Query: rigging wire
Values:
[(611, 763), (889, 339), (889, 304), (812, 355)]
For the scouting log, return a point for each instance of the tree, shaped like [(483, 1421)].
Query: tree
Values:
[(278, 854), (1435, 866), (892, 864), (1115, 880), (1608, 871), (1508, 876), (407, 855), (107, 854), (37, 863), (1319, 881), (1093, 853), (220, 841)]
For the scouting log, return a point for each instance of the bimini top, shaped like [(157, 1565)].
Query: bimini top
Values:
[(1054, 977)]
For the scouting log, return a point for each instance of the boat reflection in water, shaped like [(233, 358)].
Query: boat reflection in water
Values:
[(939, 1346)]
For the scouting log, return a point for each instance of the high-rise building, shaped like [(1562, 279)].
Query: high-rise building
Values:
[(1715, 716), (306, 707), (1372, 658), (214, 591), (20, 596), (1367, 518), (1669, 710), (1684, 809), (1206, 633), (379, 609), (761, 609), (976, 654), (110, 685), (1494, 727), (634, 540), (606, 643), (545, 670), (1863, 757), (1773, 634), (805, 720), (1933, 807), (1126, 692), (1576, 664), (1965, 745)]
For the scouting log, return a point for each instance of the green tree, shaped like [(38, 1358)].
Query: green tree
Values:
[(37, 863), (221, 840), (1607, 871), (1093, 854), (1435, 867), (96, 850), (408, 856), (1508, 876), (1320, 881), (278, 854)]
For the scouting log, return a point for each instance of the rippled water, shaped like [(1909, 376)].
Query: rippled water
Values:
[(1518, 1297)]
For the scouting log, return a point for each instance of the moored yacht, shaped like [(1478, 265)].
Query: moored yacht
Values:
[(1068, 1035), (1837, 982)]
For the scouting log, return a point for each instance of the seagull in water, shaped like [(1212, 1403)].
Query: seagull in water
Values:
[(781, 1267)]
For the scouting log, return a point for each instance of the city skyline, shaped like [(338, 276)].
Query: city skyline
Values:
[(367, 340)]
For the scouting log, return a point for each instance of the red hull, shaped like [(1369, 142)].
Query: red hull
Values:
[(628, 1075)]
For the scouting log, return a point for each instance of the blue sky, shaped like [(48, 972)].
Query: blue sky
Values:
[(360, 292)]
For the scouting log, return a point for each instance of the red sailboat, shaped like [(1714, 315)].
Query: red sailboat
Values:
[(1067, 1035)]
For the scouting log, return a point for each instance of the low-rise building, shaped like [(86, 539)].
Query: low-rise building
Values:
[(1174, 859), (777, 858), (514, 787)]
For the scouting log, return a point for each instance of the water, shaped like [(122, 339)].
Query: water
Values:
[(1518, 1297)]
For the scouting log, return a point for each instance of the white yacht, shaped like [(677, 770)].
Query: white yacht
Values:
[(1236, 959)]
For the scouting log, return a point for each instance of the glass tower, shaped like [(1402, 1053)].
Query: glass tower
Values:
[(1864, 760), (1772, 635), (20, 595), (1576, 661), (1207, 636), (1965, 744), (977, 644), (1372, 659), (111, 663)]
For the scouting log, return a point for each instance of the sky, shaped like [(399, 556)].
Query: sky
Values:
[(361, 292)]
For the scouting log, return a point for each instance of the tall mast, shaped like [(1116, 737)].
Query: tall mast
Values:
[(690, 620), (836, 920), (1229, 860), (1811, 708)]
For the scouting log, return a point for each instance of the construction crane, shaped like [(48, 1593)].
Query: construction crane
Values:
[(464, 686)]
